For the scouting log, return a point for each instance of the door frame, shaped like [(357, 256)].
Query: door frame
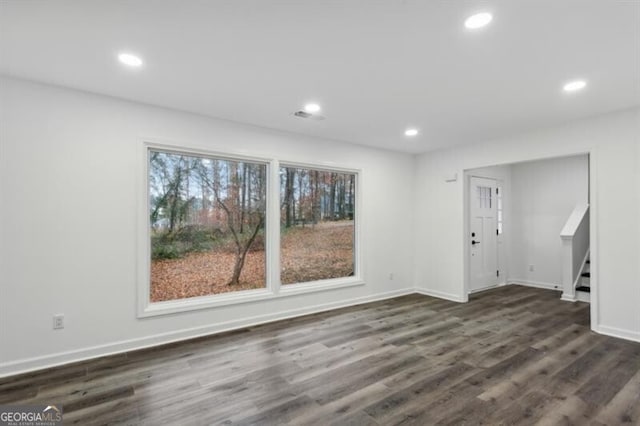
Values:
[(498, 182), (592, 154)]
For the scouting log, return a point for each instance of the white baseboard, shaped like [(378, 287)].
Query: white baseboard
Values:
[(480, 290), (62, 358), (442, 295), (618, 332), (536, 284), (568, 298)]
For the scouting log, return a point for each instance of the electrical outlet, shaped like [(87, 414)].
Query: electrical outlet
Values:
[(532, 268), (391, 276), (58, 322)]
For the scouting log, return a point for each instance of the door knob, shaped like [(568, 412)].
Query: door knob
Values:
[(474, 242)]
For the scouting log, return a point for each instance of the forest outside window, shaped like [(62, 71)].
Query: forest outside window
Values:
[(317, 224), (221, 230), (207, 220)]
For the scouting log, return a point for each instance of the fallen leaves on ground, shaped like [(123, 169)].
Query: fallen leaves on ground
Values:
[(307, 254), (317, 253)]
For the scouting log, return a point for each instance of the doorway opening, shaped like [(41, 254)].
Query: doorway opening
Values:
[(528, 223)]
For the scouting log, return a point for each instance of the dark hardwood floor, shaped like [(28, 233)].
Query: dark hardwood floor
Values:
[(513, 355)]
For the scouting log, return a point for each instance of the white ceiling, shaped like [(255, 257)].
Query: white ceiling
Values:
[(376, 67)]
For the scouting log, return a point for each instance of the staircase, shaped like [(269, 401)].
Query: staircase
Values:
[(583, 287), (575, 256)]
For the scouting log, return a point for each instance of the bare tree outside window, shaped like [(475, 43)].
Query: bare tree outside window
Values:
[(207, 220)]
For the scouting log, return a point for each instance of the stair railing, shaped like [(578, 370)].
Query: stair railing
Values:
[(575, 249)]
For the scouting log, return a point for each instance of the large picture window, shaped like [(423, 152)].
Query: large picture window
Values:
[(316, 225), (206, 225), (221, 229)]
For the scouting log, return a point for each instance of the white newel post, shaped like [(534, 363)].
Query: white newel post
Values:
[(568, 289)]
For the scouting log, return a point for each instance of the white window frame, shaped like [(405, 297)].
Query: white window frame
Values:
[(273, 288), (357, 278)]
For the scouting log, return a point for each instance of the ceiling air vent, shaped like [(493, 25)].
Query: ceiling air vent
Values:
[(304, 114)]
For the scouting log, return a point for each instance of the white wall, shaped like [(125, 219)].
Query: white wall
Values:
[(69, 164), (614, 142), (543, 195)]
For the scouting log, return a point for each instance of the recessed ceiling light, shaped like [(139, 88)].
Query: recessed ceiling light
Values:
[(411, 132), (478, 20), (312, 108), (130, 60), (574, 86)]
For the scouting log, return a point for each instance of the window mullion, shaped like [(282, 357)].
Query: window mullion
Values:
[(273, 227)]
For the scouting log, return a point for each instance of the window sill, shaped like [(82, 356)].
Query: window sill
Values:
[(315, 286), (248, 296), (204, 302)]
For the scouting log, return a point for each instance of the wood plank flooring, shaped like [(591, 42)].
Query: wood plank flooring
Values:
[(512, 355)]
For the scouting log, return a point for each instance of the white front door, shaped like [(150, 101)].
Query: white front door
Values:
[(483, 238)]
